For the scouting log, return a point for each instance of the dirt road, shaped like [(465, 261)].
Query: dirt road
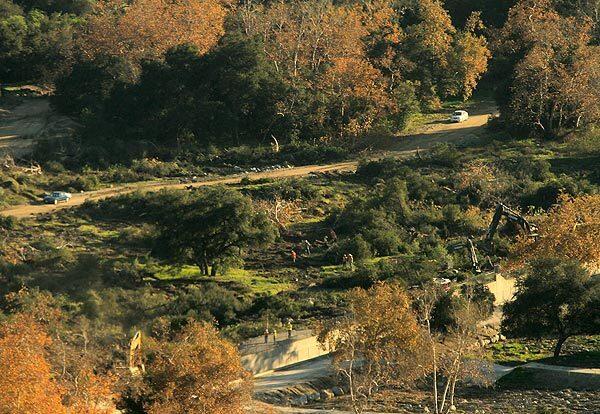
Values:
[(20, 211), (466, 132)]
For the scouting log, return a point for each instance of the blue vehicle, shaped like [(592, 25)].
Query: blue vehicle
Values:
[(57, 197)]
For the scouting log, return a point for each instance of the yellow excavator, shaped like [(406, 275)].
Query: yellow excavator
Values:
[(136, 364)]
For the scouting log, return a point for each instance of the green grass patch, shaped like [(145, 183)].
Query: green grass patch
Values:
[(91, 230), (250, 280), (258, 284), (517, 353), (578, 351)]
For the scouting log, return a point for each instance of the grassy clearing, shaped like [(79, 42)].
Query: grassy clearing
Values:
[(581, 351), (247, 279), (91, 230)]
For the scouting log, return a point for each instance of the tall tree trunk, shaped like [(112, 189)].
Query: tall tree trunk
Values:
[(434, 368), (559, 344)]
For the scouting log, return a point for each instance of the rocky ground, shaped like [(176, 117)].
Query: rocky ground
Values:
[(486, 401)]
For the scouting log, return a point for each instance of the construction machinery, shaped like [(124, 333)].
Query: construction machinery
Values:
[(512, 216), (468, 245), (136, 364)]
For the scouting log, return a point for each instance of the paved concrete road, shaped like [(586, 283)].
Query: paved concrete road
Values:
[(296, 375)]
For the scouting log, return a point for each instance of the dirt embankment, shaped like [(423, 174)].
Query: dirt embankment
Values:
[(26, 119)]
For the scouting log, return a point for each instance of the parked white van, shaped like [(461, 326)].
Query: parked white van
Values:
[(459, 116)]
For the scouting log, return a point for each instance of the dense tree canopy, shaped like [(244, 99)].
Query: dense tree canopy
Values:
[(34, 45), (315, 71), (211, 229), (551, 69), (563, 298), (148, 28)]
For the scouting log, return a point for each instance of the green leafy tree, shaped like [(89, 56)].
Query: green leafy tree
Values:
[(556, 299), (83, 91), (57, 6), (228, 96), (33, 45), (211, 229)]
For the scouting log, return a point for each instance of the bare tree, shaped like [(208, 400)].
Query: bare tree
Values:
[(455, 355), (377, 344)]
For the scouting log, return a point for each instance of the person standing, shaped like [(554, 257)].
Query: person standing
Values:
[(274, 335), (307, 247), (351, 261), (332, 235), (294, 256), (289, 328), (267, 336)]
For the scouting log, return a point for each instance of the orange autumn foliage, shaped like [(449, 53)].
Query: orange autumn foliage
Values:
[(92, 393), (26, 381), (570, 230), (196, 372), (148, 28), (349, 82), (300, 38)]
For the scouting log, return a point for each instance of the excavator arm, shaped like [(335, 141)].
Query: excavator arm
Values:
[(513, 216), (470, 247), (136, 364)]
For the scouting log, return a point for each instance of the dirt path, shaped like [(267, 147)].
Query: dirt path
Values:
[(466, 132), (26, 210), (559, 368)]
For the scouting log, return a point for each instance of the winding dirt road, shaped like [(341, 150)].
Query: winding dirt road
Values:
[(464, 133)]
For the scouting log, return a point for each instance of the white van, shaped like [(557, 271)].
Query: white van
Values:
[(459, 116)]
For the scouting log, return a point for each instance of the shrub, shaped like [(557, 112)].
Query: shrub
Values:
[(207, 303), (528, 167), (10, 184), (387, 242), (54, 167), (291, 190), (357, 246), (7, 222), (445, 155), (358, 279)]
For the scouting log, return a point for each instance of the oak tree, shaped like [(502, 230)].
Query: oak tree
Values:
[(211, 228), (562, 296)]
